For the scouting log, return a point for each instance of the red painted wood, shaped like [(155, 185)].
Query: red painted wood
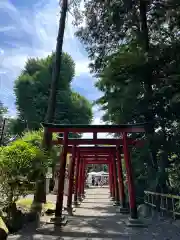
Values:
[(94, 155), (80, 179), (97, 162), (131, 187), (112, 180), (76, 178), (98, 130), (94, 149), (90, 156), (98, 141), (120, 177), (62, 169), (71, 178), (110, 183)]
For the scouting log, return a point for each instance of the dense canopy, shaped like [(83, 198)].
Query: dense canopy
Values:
[(134, 51), (32, 91)]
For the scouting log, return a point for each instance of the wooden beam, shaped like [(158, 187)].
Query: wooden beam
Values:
[(79, 128), (97, 162), (94, 149), (84, 155), (80, 141), (94, 156)]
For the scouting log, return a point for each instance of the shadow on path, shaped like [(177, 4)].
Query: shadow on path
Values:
[(99, 220)]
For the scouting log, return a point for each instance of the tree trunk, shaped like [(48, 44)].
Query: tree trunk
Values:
[(2, 131), (149, 116), (40, 194)]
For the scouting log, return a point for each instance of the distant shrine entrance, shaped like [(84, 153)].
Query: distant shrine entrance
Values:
[(96, 151)]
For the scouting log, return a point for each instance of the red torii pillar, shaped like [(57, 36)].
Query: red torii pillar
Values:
[(76, 180), (110, 182), (71, 181), (83, 179), (80, 180), (122, 196), (116, 192), (131, 187), (62, 169)]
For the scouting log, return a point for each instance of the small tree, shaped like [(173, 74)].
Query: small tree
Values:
[(21, 163), (35, 138), (50, 160)]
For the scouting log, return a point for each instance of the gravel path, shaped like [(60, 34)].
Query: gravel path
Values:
[(97, 219)]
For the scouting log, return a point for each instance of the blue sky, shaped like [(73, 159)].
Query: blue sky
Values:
[(29, 29)]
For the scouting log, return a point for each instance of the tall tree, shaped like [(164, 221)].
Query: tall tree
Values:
[(32, 91), (56, 69), (53, 90), (3, 111), (132, 48)]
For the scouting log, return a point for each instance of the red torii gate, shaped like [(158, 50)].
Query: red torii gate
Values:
[(121, 129), (114, 194), (82, 166), (116, 183), (81, 162), (96, 155)]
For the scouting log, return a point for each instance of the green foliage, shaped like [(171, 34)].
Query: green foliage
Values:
[(134, 51), (20, 165), (35, 138), (3, 110), (16, 126), (32, 90)]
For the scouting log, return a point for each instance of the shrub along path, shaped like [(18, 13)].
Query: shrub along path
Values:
[(96, 218)]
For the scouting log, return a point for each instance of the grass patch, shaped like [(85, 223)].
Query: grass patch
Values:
[(26, 203)]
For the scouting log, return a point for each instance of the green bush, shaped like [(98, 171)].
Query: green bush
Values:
[(35, 138), (50, 160), (20, 165)]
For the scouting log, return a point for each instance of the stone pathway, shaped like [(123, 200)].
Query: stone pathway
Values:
[(97, 219)]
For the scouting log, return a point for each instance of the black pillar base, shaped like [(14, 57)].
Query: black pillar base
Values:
[(59, 221), (123, 210), (80, 199), (112, 199), (135, 223), (70, 211), (133, 213), (116, 203), (76, 204), (83, 196)]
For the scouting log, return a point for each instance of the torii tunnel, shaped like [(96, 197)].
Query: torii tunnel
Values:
[(89, 151)]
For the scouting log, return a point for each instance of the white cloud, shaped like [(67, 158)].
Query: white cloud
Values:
[(6, 29), (40, 29), (82, 67), (33, 33), (97, 121)]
